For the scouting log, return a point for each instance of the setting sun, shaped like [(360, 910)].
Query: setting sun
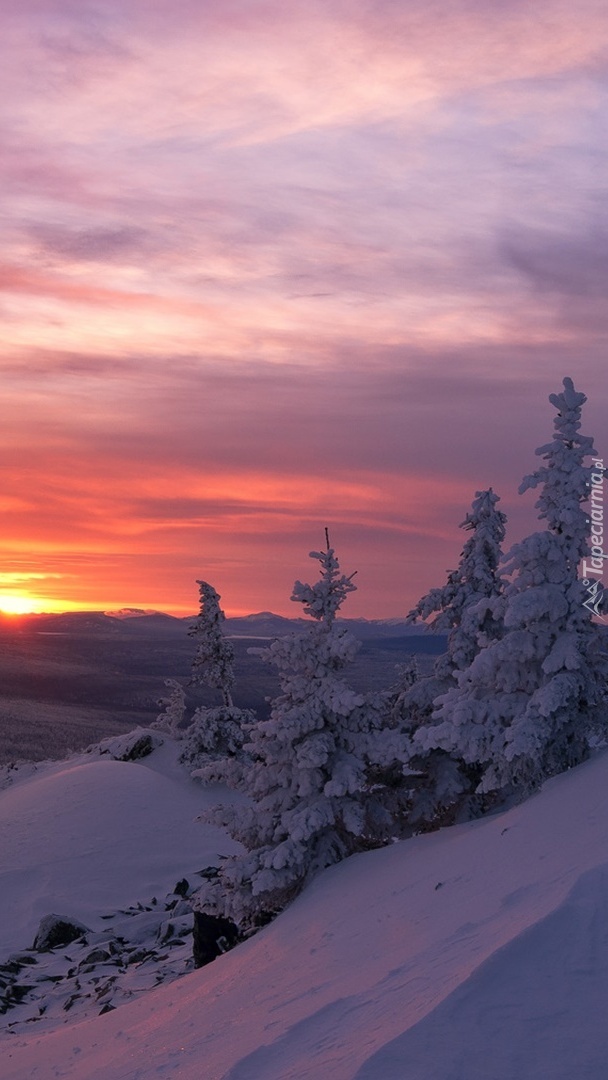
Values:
[(13, 604)]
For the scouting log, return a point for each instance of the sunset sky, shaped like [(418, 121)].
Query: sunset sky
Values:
[(272, 266)]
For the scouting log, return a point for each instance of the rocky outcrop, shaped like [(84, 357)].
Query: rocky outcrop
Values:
[(133, 746), (55, 930), (71, 969)]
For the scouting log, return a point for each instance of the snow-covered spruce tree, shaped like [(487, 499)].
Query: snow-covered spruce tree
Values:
[(213, 742), (215, 735), (213, 664), (465, 605), (468, 607), (308, 774), (526, 706)]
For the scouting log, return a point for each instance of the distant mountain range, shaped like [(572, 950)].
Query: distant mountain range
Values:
[(138, 622), (70, 679)]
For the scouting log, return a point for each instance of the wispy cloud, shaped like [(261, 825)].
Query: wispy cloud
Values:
[(268, 267)]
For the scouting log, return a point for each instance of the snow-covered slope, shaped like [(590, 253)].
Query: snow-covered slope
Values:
[(476, 953), (88, 835)]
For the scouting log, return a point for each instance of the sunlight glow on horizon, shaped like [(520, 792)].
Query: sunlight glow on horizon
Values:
[(16, 604)]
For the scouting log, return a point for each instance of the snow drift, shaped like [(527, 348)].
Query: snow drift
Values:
[(476, 952), (85, 836)]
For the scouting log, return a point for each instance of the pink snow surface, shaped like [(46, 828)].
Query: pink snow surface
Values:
[(476, 953)]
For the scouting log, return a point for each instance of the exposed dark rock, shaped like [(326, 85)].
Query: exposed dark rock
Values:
[(22, 959), (15, 964), (166, 931), (139, 955), (182, 888), (212, 936), (141, 748), (132, 747), (96, 956), (17, 992), (55, 930), (209, 873)]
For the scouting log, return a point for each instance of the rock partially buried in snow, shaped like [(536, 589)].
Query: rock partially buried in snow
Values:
[(133, 746), (55, 930)]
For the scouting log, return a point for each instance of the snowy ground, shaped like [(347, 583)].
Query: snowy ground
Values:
[(476, 953), (90, 835)]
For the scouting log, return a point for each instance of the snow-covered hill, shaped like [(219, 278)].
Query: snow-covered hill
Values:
[(476, 953), (88, 835)]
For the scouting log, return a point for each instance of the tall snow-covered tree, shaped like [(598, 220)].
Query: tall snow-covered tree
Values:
[(464, 606), (468, 607), (215, 735), (528, 703), (213, 664), (308, 774)]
